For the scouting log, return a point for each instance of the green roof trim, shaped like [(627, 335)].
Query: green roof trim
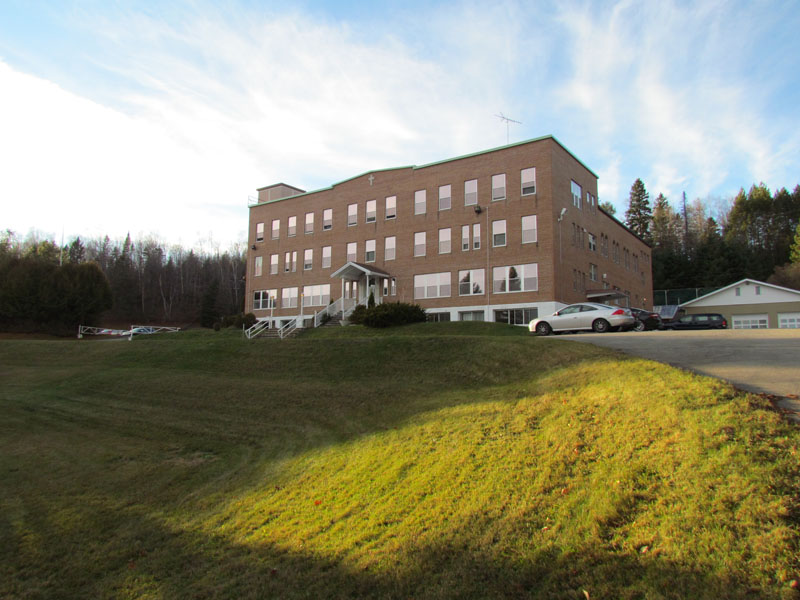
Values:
[(415, 167)]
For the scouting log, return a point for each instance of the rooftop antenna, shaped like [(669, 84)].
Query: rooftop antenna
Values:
[(502, 117)]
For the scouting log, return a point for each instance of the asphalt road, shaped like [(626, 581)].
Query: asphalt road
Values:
[(757, 360)]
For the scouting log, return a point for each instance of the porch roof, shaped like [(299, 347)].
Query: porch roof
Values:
[(353, 270)]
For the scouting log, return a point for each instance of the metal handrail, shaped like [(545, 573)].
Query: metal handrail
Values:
[(257, 328), (287, 329), (330, 310)]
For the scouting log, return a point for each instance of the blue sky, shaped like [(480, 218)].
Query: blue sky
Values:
[(162, 117)]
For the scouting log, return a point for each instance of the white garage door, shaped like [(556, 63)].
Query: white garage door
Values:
[(789, 320), (750, 321)]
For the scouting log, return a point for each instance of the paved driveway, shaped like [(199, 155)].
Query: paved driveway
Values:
[(758, 360)]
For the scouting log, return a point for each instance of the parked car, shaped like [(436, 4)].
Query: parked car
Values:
[(701, 321), (645, 320), (584, 316)]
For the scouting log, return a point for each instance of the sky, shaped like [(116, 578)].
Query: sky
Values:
[(161, 118)]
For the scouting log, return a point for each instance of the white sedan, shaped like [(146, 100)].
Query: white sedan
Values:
[(584, 316)]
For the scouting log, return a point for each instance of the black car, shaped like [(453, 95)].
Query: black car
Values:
[(701, 321), (645, 320)]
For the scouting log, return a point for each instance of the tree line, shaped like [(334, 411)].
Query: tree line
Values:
[(757, 235), (125, 281)]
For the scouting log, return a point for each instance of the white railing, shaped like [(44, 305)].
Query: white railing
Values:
[(134, 330), (287, 329), (330, 310), (257, 329), (151, 329), (87, 330), (347, 312)]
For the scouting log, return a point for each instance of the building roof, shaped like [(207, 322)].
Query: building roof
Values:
[(745, 281), (415, 167)]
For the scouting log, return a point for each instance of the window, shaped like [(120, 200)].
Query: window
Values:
[(352, 251), (576, 195), (528, 181), (592, 243), (636, 268), (287, 262), (289, 297), (498, 187), (326, 257), (309, 222), (516, 316), (327, 219), (273, 264), (515, 278), (444, 241), (470, 192), (592, 272), (264, 299), (391, 207), (499, 233), (419, 202), (471, 315), (419, 243), (758, 290), (591, 201), (369, 251), (470, 283), (437, 317), (394, 286), (389, 247), (444, 197), (351, 289), (352, 214), (385, 286), (291, 230), (308, 259), (529, 229), (276, 229), (465, 238), (372, 210), (476, 236), (316, 295), (257, 266), (432, 285), (389, 286), (259, 232), (294, 261), (738, 291)]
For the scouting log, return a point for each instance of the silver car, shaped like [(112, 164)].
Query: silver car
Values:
[(584, 316)]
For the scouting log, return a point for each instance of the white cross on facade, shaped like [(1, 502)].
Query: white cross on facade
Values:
[(371, 178)]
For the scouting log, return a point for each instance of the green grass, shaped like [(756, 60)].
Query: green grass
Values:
[(453, 460)]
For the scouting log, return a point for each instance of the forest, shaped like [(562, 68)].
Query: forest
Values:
[(45, 286)]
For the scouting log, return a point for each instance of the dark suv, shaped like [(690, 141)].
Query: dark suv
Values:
[(701, 321)]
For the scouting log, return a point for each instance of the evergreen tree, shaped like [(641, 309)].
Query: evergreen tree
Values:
[(608, 207), (794, 255), (639, 215)]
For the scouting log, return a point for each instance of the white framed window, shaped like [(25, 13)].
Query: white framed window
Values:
[(369, 251), (476, 236), (308, 259), (294, 261), (372, 211), (352, 214), (352, 251), (471, 315), (419, 202), (515, 278), (758, 290), (258, 266), (263, 299), (287, 261), (470, 192), (465, 238), (291, 229), (276, 229), (528, 181), (593, 272), (592, 242), (316, 295), (309, 222), (471, 282), (289, 297), (499, 233), (444, 241), (576, 195), (516, 316), (432, 285), (393, 290), (529, 229), (389, 248), (498, 187), (391, 207), (591, 201), (419, 243), (327, 219), (444, 197), (259, 232), (326, 257), (273, 264), (747, 321)]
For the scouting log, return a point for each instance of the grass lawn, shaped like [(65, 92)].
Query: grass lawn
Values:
[(452, 460)]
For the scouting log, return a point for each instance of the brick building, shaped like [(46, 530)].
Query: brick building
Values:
[(503, 235)]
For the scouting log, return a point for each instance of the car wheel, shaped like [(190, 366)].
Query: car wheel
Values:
[(543, 329), (639, 326), (601, 326)]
